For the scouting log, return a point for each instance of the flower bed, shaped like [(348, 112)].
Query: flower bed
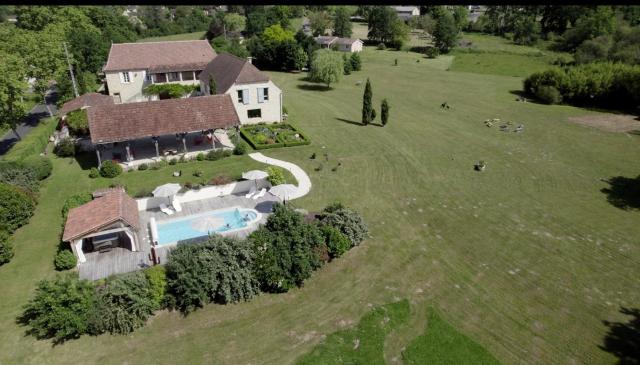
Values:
[(263, 136)]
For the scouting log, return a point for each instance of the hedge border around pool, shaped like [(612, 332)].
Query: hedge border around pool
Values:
[(258, 146)]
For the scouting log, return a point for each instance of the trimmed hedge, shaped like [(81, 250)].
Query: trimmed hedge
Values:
[(6, 248), (65, 260), (33, 143), (280, 138)]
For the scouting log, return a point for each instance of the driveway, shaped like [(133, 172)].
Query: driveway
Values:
[(31, 121)]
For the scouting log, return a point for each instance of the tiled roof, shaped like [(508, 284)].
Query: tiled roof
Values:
[(348, 41), (160, 56), (325, 40), (101, 212), (122, 122), (86, 100), (228, 70)]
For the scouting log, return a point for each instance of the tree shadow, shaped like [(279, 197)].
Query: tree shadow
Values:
[(623, 339), (86, 160), (418, 49), (314, 87), (349, 121), (635, 132), (623, 192)]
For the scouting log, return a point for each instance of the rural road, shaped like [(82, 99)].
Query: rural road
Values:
[(32, 119)]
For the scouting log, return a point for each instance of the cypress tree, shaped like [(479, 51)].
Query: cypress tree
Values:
[(366, 104), (212, 85), (384, 112)]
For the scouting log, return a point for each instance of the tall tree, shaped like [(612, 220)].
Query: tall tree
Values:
[(446, 33), (319, 22), (381, 19), (384, 112), (326, 66), (461, 17), (12, 76), (234, 22), (367, 106), (342, 23)]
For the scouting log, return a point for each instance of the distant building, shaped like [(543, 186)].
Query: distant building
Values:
[(341, 44), (407, 12)]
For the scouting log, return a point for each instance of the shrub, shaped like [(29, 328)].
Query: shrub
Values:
[(347, 64), (40, 164), (240, 148), (347, 221), (287, 250), (60, 308), (432, 52), (78, 123), (110, 169), (200, 156), (219, 270), (382, 46), (73, 201), (16, 207), (548, 94), (143, 193), (356, 62), (155, 166), (33, 143), (220, 180), (124, 304), (157, 277), (214, 155), (173, 161), (65, 148), (143, 166), (17, 174), (276, 175), (337, 243), (94, 173), (65, 260), (6, 248)]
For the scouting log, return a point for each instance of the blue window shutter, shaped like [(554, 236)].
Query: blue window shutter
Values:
[(260, 95), (245, 96)]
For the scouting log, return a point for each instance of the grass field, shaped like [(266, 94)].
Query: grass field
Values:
[(175, 37), (526, 258)]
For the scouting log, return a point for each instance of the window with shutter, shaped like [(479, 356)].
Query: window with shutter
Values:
[(260, 95), (245, 96)]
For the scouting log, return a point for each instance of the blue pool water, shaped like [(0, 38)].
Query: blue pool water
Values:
[(199, 225)]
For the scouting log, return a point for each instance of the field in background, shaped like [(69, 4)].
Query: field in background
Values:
[(527, 258), (175, 37)]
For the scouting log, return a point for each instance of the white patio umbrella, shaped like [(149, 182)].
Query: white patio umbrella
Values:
[(284, 191), (166, 190), (254, 175)]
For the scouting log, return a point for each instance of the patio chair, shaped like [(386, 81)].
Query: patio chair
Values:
[(260, 194), (176, 205), (251, 192), (166, 210)]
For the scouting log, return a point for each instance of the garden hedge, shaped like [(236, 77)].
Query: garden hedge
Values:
[(280, 142), (33, 143)]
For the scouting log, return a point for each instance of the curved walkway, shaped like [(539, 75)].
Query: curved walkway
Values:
[(304, 183)]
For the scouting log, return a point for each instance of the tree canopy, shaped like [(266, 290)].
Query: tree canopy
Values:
[(326, 66)]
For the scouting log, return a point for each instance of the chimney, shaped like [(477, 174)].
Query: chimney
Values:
[(250, 59)]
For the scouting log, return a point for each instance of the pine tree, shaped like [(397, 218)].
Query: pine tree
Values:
[(367, 108), (356, 63), (384, 112), (347, 64), (212, 85)]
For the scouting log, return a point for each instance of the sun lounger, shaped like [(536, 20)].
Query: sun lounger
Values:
[(260, 194), (176, 205), (251, 192), (165, 209)]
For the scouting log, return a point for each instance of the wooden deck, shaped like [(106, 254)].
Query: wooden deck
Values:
[(121, 260)]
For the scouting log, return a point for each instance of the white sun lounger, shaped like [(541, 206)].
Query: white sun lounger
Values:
[(176, 205), (260, 194), (165, 209), (251, 192)]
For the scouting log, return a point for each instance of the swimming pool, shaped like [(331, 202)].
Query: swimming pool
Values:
[(203, 224)]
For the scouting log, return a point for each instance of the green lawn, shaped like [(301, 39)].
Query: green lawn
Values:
[(526, 258), (175, 37)]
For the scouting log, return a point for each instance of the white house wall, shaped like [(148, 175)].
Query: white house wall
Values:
[(271, 110), (131, 92)]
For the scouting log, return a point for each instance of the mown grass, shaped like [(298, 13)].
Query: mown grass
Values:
[(363, 344), (443, 344), (527, 258), (175, 37)]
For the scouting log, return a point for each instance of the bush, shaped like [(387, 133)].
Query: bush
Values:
[(173, 161), (123, 304), (78, 123), (65, 260), (65, 148), (356, 62), (6, 248), (548, 94), (214, 155), (94, 173), (337, 243), (143, 193), (198, 173), (220, 180), (219, 270), (382, 46), (240, 148), (17, 174), (157, 277), (73, 201), (432, 52), (110, 169), (33, 143), (347, 221), (287, 250), (40, 164), (16, 207), (60, 308), (200, 156), (143, 166), (276, 175)]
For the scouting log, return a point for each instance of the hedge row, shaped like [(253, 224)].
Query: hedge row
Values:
[(279, 138), (33, 143)]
